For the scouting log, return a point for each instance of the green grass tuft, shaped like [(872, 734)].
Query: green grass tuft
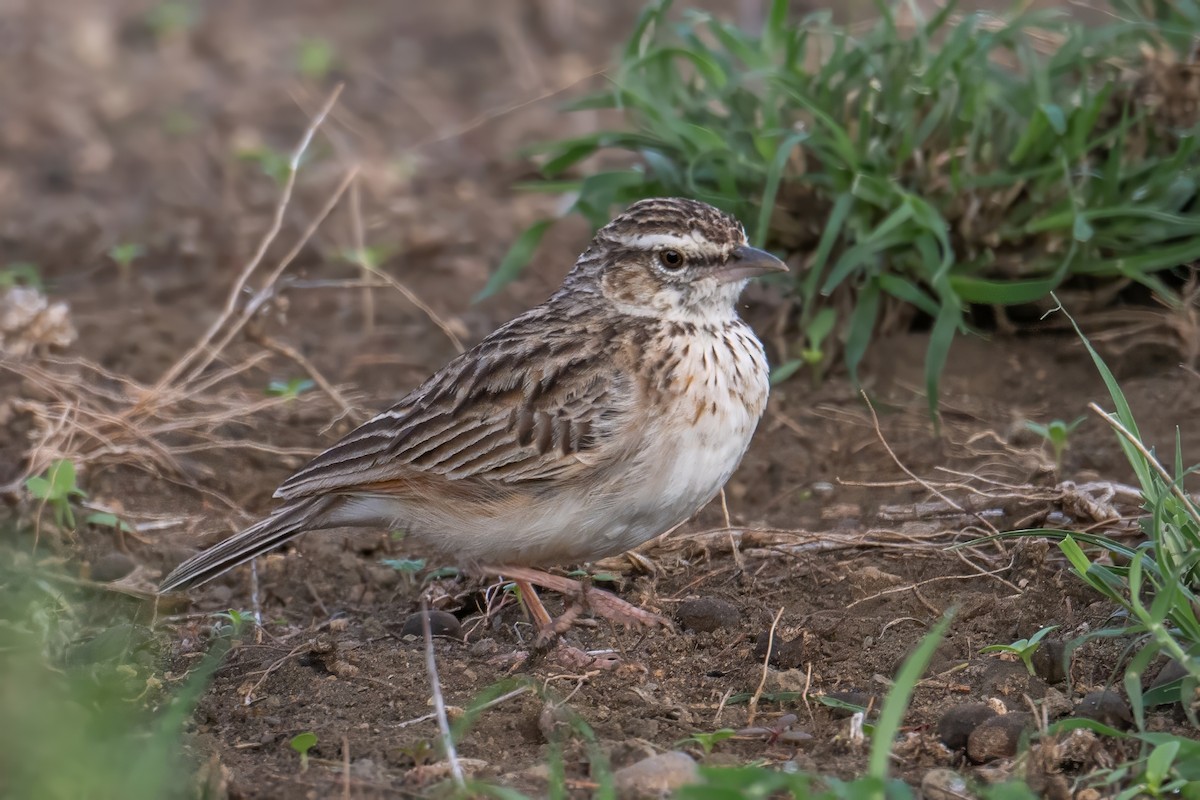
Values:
[(960, 160)]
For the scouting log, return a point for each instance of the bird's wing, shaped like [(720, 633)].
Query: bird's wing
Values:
[(525, 405)]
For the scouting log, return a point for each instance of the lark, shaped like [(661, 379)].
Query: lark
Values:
[(587, 425)]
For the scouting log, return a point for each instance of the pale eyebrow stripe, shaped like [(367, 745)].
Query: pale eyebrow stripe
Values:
[(655, 240)]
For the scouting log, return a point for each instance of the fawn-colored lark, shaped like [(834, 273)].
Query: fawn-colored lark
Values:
[(584, 427)]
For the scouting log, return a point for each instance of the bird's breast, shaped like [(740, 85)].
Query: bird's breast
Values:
[(707, 399)]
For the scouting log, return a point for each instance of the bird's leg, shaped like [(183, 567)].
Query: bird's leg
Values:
[(598, 601), (533, 604)]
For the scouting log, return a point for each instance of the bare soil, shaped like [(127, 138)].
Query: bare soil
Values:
[(118, 133)]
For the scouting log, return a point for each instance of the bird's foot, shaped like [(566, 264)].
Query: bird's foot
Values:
[(598, 601)]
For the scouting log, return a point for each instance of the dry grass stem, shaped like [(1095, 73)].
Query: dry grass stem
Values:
[(1135, 442), (762, 681), (235, 294), (928, 486), (439, 703)]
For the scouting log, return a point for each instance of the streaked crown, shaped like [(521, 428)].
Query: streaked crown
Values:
[(659, 221)]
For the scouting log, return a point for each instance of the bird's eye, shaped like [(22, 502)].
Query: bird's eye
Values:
[(671, 259)]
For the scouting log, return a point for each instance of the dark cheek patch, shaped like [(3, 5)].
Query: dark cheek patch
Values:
[(630, 287)]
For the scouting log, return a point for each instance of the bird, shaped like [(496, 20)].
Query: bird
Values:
[(589, 424)]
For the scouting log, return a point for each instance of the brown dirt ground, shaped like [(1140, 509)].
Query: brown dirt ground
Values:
[(116, 134)]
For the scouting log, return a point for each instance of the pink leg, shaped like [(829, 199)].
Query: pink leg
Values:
[(604, 604)]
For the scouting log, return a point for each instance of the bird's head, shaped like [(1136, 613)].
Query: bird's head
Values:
[(672, 258)]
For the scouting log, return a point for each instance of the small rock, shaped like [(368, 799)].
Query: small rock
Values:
[(112, 567), (998, 737), (1048, 661), (1056, 704), (944, 784), (957, 724), (1107, 708), (554, 721), (657, 776), (441, 623), (485, 647), (707, 614), (784, 654)]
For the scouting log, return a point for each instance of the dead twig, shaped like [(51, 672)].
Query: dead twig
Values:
[(928, 486), (766, 665), (235, 293), (439, 703)]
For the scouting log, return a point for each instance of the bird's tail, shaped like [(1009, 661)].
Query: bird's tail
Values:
[(287, 522)]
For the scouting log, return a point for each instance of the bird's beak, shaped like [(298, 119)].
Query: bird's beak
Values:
[(747, 262)]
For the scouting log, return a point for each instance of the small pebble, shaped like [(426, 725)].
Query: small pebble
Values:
[(956, 725), (112, 567), (485, 647), (656, 776), (554, 721), (1048, 661), (441, 623), (1107, 708), (707, 614), (944, 784), (784, 654), (998, 737), (1056, 704)]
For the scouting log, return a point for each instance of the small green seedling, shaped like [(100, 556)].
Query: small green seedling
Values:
[(603, 577), (170, 18), (1057, 433), (1157, 780), (841, 705), (233, 622), (708, 741), (289, 390), (21, 273), (441, 572), (315, 58), (275, 165), (407, 565), (103, 519), (179, 122), (124, 255), (56, 488), (302, 743), (813, 355), (420, 751), (1022, 648), (370, 258), (815, 335)]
